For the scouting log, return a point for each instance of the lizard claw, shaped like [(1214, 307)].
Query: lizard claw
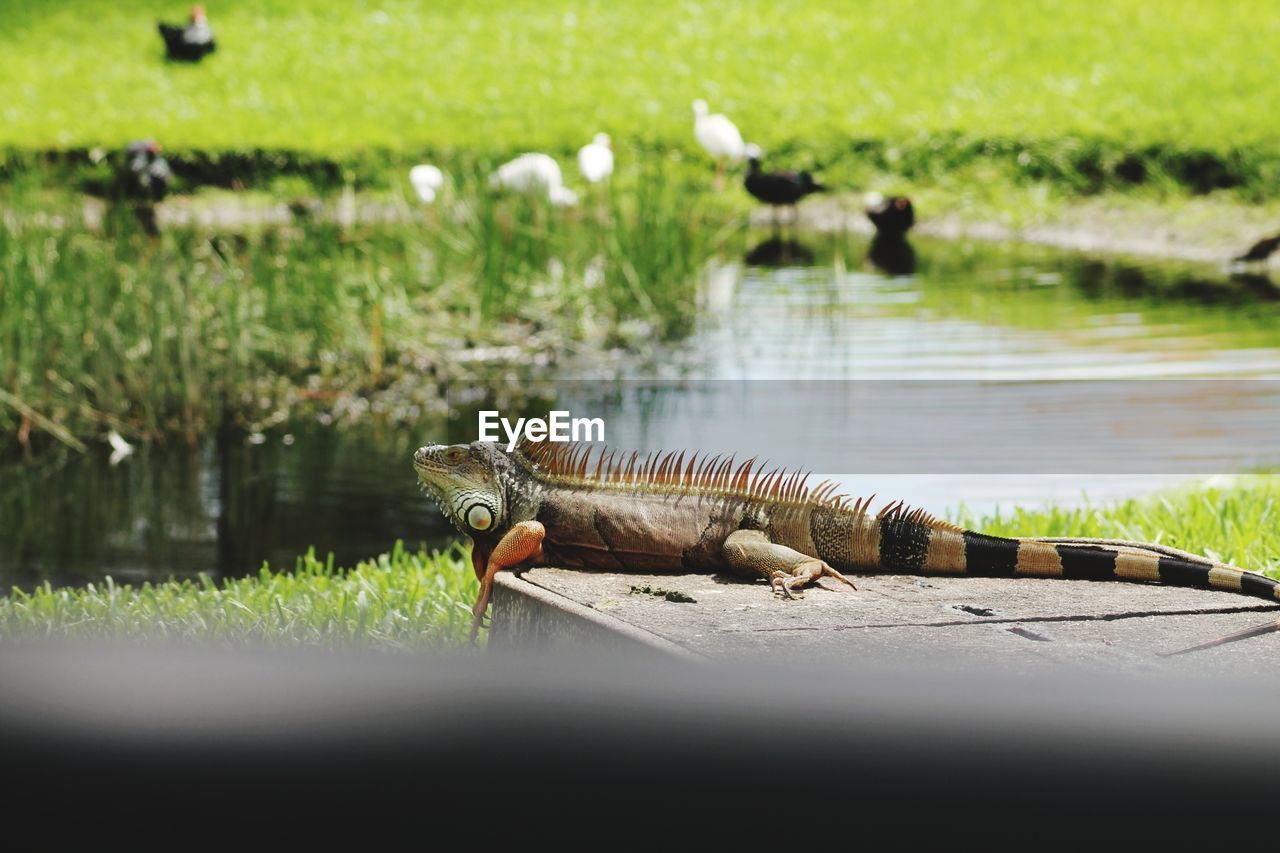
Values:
[(782, 585)]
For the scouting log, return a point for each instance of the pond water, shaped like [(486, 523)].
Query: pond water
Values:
[(824, 309)]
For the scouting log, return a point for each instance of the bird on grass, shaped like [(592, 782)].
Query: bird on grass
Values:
[(595, 160), (1260, 250), (719, 137), (777, 189), (892, 216), (148, 175), (533, 174), (427, 181), (189, 42)]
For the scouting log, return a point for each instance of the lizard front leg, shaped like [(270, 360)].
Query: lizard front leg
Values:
[(751, 552), (523, 542)]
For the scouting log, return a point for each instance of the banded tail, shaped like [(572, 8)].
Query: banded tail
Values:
[(914, 542), (952, 551), (1108, 559)]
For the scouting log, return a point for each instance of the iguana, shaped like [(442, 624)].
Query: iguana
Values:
[(576, 506)]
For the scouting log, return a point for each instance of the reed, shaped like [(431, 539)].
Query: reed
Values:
[(176, 335)]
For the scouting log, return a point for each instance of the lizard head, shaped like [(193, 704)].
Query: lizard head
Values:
[(464, 480)]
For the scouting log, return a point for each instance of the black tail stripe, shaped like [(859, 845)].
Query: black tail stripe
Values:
[(833, 531), (1258, 585), (904, 545), (1176, 572), (1084, 562), (990, 556)]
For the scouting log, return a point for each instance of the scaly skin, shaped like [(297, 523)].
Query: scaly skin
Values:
[(553, 505)]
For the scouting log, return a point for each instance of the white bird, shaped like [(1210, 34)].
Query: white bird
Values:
[(595, 161), (562, 196), (534, 173), (719, 136), (119, 447), (527, 173), (427, 181)]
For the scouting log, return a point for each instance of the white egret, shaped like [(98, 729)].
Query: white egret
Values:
[(427, 181), (719, 136), (534, 173), (595, 161), (562, 196)]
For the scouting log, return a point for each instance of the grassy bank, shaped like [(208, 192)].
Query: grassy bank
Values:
[(182, 334), (1086, 96), (405, 601)]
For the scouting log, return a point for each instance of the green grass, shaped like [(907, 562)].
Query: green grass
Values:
[(1086, 95), (404, 601), (399, 601)]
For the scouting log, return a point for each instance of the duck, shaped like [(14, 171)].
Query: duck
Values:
[(149, 175), (427, 181), (595, 159), (188, 42), (719, 137), (776, 189), (534, 173), (892, 216)]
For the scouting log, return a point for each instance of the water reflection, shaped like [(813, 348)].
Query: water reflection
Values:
[(1099, 279), (1258, 285), (892, 254), (778, 251), (224, 508)]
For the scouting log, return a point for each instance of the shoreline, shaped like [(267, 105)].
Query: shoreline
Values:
[(1197, 230)]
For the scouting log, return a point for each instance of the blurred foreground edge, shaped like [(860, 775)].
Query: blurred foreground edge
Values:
[(608, 741)]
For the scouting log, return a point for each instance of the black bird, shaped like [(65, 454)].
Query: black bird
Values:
[(777, 189), (1261, 250), (191, 42), (145, 180), (149, 175), (892, 216)]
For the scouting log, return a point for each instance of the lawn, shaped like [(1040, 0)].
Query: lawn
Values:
[(405, 601), (1086, 94)]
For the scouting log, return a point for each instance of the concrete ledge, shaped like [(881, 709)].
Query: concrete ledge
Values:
[(890, 618), (528, 617)]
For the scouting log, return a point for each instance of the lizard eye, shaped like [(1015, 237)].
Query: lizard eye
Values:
[(454, 454), (479, 517)]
